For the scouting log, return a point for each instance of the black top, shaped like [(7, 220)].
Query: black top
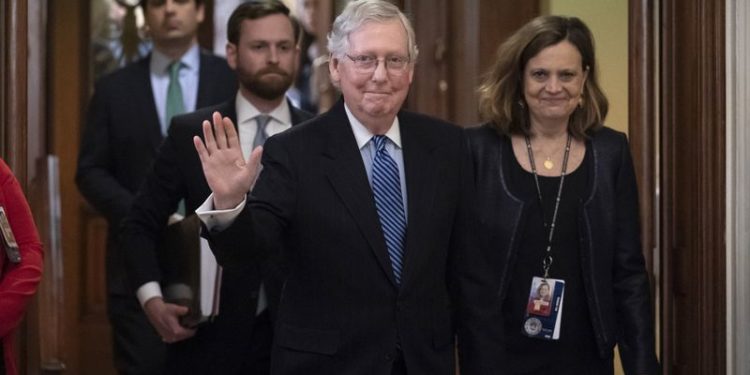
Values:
[(613, 267), (576, 346)]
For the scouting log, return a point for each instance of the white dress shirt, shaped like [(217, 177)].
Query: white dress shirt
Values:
[(281, 119)]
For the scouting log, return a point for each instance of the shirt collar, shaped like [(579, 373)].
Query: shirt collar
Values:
[(363, 135), (246, 111), (160, 62)]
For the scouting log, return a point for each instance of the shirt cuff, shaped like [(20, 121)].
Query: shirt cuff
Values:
[(218, 220), (148, 291)]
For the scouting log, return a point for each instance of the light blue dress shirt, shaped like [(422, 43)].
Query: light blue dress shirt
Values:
[(367, 149), (159, 68)]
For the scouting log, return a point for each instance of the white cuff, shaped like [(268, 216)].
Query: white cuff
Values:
[(148, 291), (218, 220)]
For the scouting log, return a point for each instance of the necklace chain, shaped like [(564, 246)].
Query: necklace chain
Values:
[(547, 262)]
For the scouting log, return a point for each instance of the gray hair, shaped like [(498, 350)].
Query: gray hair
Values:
[(359, 12)]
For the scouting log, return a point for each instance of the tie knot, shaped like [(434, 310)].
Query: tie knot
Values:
[(174, 69), (380, 141), (260, 134), (262, 121)]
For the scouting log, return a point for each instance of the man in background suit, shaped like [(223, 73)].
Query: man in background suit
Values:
[(126, 123), (369, 202), (262, 50)]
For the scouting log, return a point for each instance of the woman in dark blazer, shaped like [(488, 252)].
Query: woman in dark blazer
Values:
[(559, 206), (18, 280)]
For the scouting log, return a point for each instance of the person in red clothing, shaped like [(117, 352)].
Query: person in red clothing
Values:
[(18, 281)]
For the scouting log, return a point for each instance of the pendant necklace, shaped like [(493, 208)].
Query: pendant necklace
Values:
[(548, 164)]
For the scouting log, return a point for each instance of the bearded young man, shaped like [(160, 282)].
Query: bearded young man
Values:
[(128, 116), (262, 50)]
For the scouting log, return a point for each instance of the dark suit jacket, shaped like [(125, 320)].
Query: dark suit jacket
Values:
[(177, 174), (613, 267), (341, 312), (121, 139)]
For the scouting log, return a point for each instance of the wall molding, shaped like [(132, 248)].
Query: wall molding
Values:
[(693, 185), (738, 180)]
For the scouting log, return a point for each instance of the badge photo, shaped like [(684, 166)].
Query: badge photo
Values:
[(8, 240), (544, 308)]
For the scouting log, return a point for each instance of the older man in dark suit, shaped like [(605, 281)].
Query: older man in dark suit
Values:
[(127, 119), (369, 202), (262, 50)]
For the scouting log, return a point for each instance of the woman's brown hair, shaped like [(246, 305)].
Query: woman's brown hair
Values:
[(501, 92)]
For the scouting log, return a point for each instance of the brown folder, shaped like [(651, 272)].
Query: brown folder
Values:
[(190, 276)]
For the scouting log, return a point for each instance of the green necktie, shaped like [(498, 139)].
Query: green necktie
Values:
[(175, 105)]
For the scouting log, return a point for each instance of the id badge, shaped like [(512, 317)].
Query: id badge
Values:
[(543, 315), (8, 240)]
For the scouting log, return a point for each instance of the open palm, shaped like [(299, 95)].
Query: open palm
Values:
[(227, 172)]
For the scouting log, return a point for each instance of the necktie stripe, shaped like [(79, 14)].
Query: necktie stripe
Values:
[(390, 181), (392, 196), (386, 186)]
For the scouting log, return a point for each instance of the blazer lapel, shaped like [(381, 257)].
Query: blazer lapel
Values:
[(228, 110), (420, 172), (205, 72), (145, 94), (298, 116), (347, 175)]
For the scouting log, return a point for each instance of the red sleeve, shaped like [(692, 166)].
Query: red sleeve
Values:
[(18, 282)]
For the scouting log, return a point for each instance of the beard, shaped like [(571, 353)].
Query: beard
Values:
[(269, 83)]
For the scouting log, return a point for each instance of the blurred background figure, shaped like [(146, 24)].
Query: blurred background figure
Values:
[(304, 93), (128, 117), (262, 52), (118, 35), (18, 277)]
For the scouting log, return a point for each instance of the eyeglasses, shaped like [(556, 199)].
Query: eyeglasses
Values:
[(367, 64)]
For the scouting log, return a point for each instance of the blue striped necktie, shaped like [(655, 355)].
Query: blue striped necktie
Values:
[(386, 186)]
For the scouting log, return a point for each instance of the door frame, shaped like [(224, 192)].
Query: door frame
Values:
[(680, 114), (738, 179)]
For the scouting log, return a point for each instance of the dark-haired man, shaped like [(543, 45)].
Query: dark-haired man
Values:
[(262, 50), (127, 119)]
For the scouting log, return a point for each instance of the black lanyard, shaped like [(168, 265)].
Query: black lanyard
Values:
[(547, 262)]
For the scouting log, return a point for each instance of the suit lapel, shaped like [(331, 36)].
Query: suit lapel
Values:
[(420, 172), (298, 116), (145, 94), (228, 110), (347, 175), (205, 71)]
